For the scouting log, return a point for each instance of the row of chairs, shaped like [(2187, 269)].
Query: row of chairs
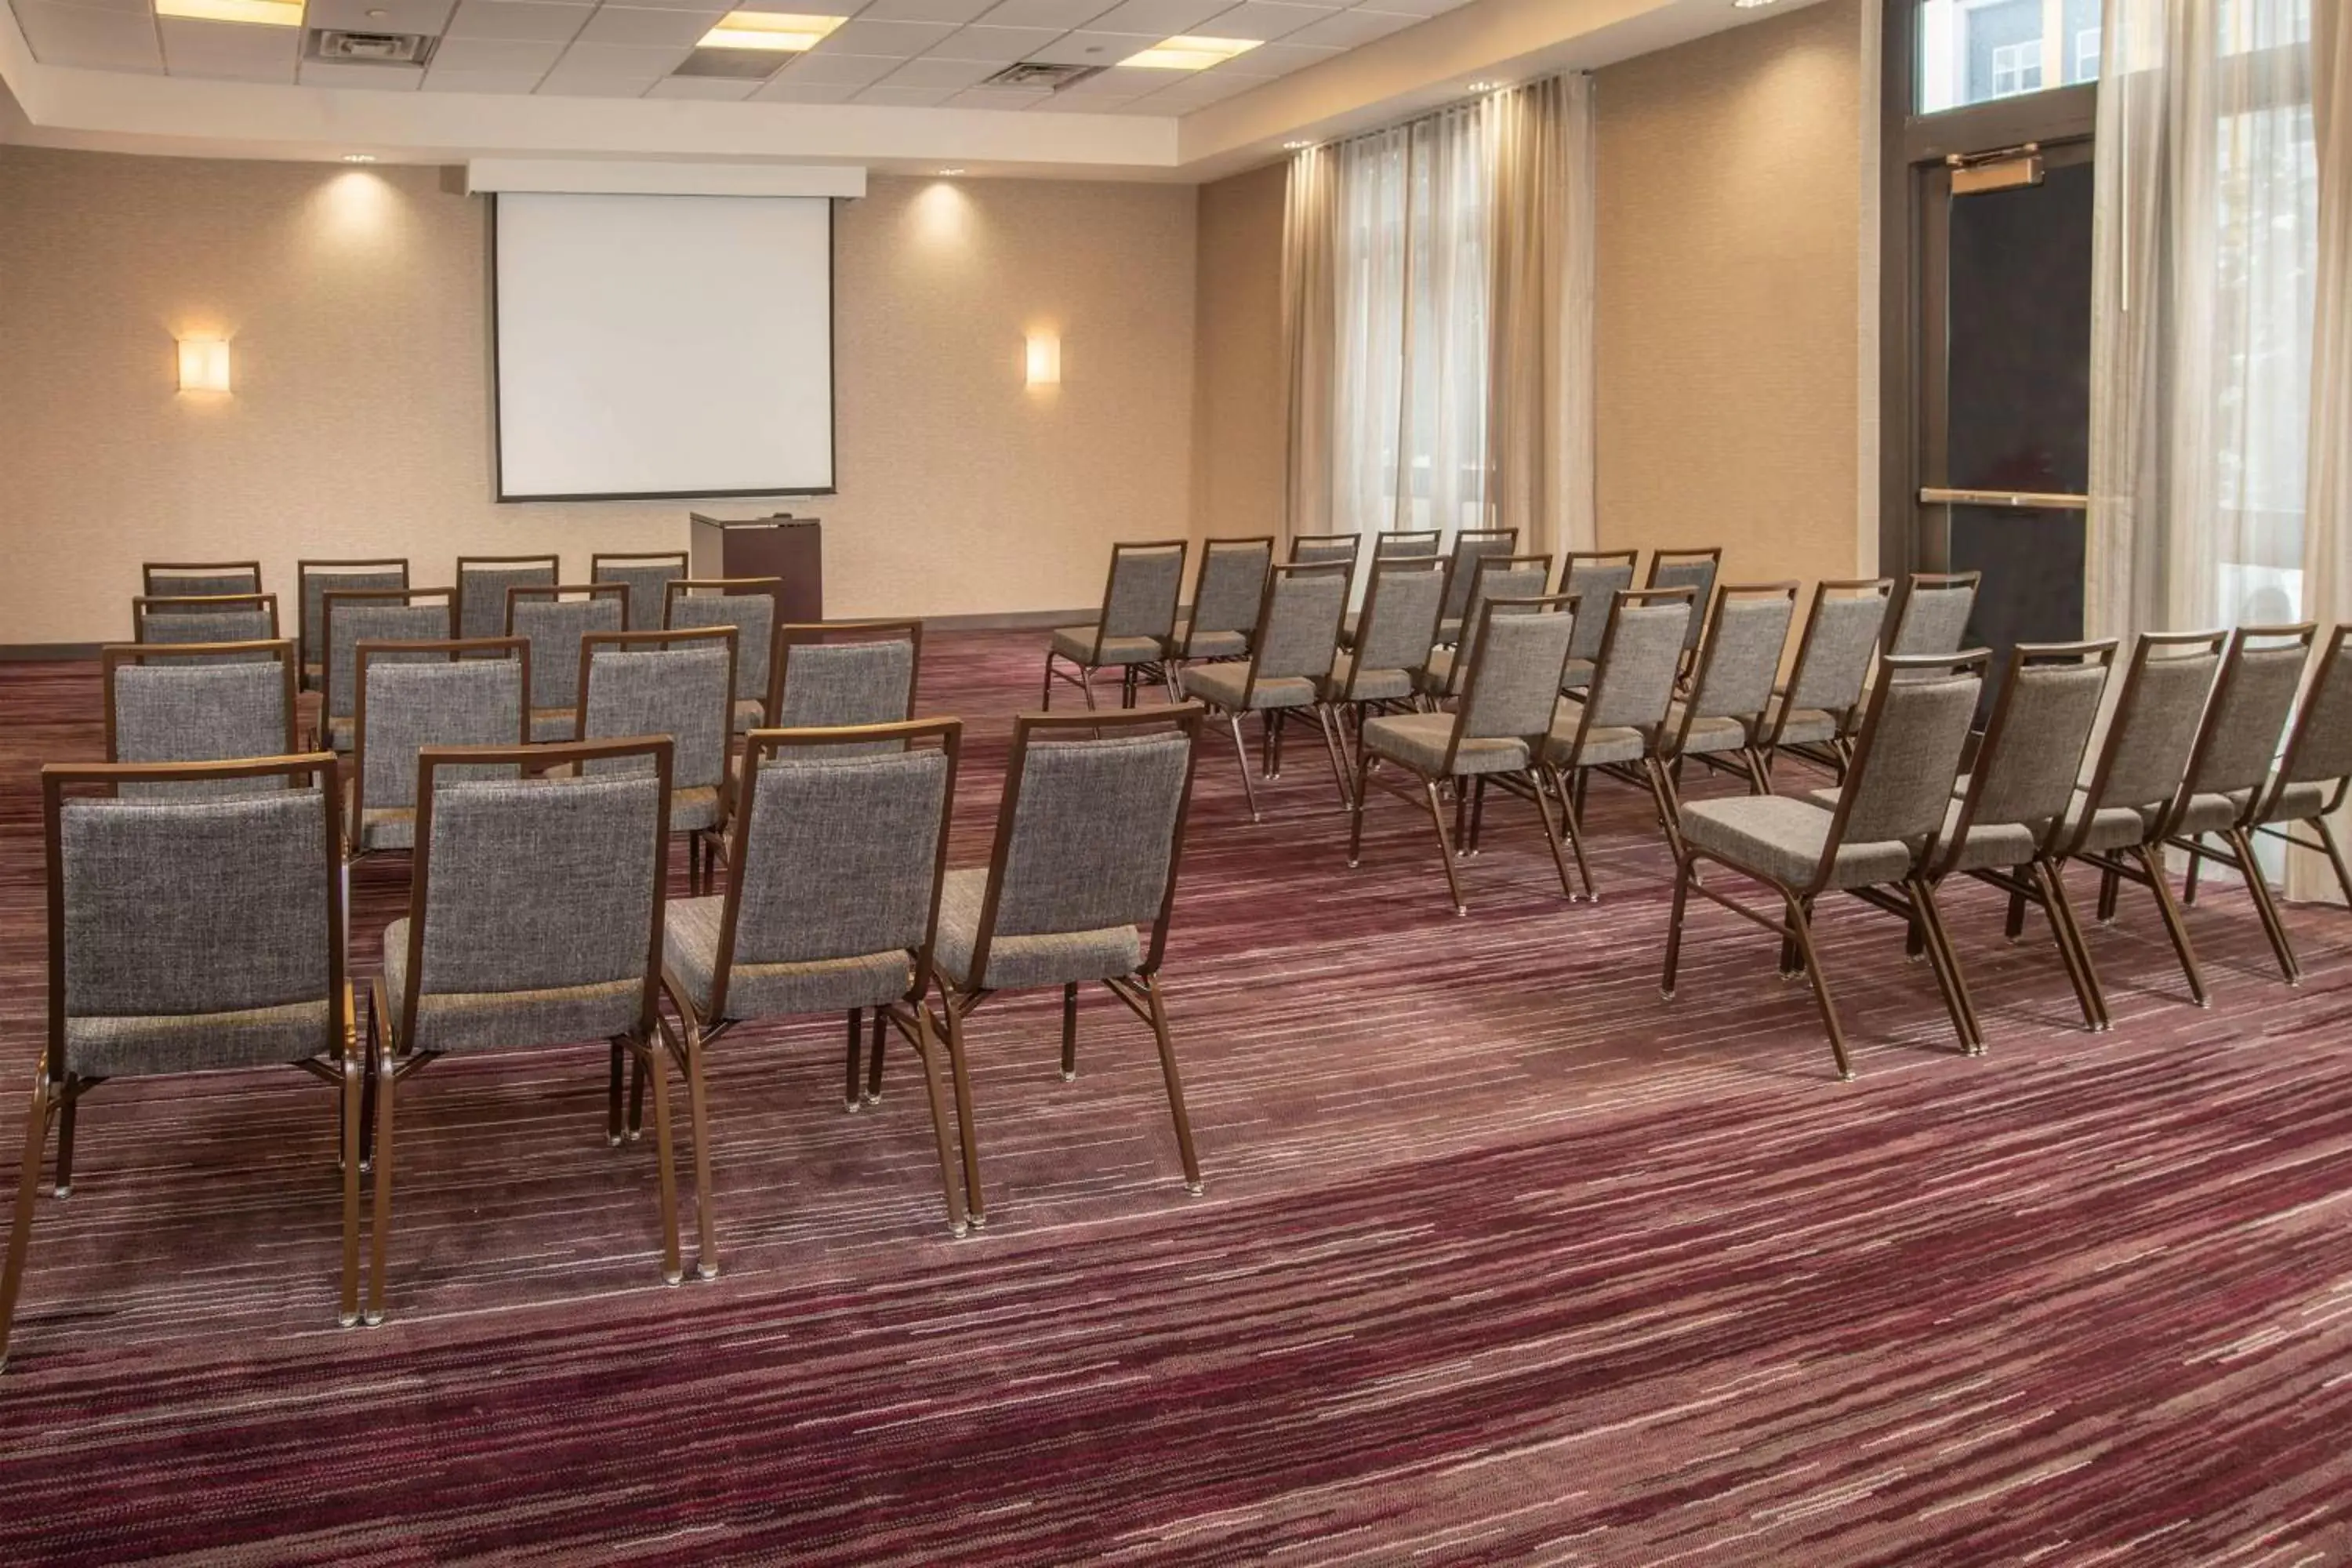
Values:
[(198, 920)]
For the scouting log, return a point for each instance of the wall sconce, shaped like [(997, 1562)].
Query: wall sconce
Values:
[(1045, 360), (203, 365)]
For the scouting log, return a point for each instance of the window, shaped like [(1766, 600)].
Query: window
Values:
[(2016, 68), (2086, 55), (1974, 51)]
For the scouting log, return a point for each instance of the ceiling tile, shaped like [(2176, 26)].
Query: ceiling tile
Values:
[(953, 75), (1114, 86), (779, 91), (495, 55), (904, 97), (1141, 106), (621, 60), (1417, 8), (998, 98), (558, 83), (839, 70), (1064, 13), (923, 10), (1093, 48), (517, 19), (229, 53), (439, 80), (705, 87), (1261, 19), (706, 5), (1196, 91), (998, 45), (1274, 60), (378, 79), (903, 39), (82, 35), (1160, 18), (399, 15), (1346, 29), (642, 25), (136, 7)]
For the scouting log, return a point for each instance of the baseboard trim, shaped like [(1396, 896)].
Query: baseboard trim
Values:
[(1016, 620), (40, 652)]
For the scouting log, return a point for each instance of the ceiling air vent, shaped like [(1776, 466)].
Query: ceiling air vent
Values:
[(371, 48), (1042, 73)]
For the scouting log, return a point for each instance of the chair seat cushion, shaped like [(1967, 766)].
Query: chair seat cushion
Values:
[(2298, 803), (120, 1047), (465, 1021), (1806, 726), (1706, 735), (1211, 644), (1016, 963), (387, 827), (751, 714), (1224, 684), (1991, 844), (1577, 674), (2115, 827), (1436, 678), (1076, 644), (1783, 837), (691, 810), (1419, 741), (1373, 686), (553, 723), (1603, 745), (2211, 812), (690, 954)]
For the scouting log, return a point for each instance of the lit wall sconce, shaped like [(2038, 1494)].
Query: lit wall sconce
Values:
[(1045, 359), (203, 365)]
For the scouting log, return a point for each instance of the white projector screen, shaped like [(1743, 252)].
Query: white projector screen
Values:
[(663, 346)]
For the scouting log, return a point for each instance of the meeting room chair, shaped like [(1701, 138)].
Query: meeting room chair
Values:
[(314, 579), (1491, 578), (482, 585), (1874, 845), (1395, 544), (1719, 722), (1225, 597), (1613, 725), (1931, 617), (1592, 578), (450, 692), (1814, 715), (1393, 642), (587, 856), (647, 574), (1326, 550), (1089, 839), (747, 604), (1471, 545), (831, 907), (199, 579), (553, 620), (829, 673), (350, 616), (680, 684), (199, 702), (229, 617), (1511, 685), (1694, 569), (2242, 733), (2309, 783), (200, 929), (1295, 639), (1136, 629)]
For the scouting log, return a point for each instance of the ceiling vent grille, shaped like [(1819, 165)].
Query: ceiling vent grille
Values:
[(371, 48), (1042, 73)]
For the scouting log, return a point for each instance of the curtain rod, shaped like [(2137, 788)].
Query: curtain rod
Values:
[(1429, 114)]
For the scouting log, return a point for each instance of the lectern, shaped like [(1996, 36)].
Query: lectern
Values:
[(791, 548)]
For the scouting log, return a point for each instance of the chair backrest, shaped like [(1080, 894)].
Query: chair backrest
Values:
[(842, 853), (1405, 543), (1139, 597), (680, 684), (354, 615), (1472, 545), (188, 702), (1297, 632), (1232, 581), (2246, 723), (199, 579), (1739, 658), (554, 617), (1935, 613), (1841, 634), (647, 576), (214, 900), (313, 579), (2033, 745), (2319, 749), (482, 585), (2154, 725), (828, 674), (1692, 569), (1091, 828), (1515, 660), (232, 617), (1326, 550), (537, 884), (1519, 578), (747, 604), (1590, 577), (1908, 755), (438, 692), (1642, 653), (1399, 622)]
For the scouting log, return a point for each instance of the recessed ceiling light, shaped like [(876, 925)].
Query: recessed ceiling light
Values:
[(1482, 87), (261, 13), (779, 31), (951, 170), (1191, 54), (1296, 146), (1749, 4), (358, 157)]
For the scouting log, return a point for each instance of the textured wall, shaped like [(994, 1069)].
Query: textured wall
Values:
[(360, 423), (1239, 423), (1728, 288)]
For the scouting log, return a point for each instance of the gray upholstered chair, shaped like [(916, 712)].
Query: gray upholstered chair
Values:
[(1614, 725), (1296, 638), (1326, 550), (2310, 781), (191, 703), (234, 617), (1517, 578), (2120, 816), (1933, 616), (2242, 738), (833, 906), (482, 585), (1394, 639), (647, 574), (1225, 597), (199, 579), (676, 683), (1592, 578), (1814, 715), (553, 620), (1471, 545), (1135, 630), (534, 918), (1393, 544), (747, 604), (350, 616), (412, 695), (1718, 722), (1874, 844), (198, 926), (831, 673), (1512, 658), (314, 579), (1088, 842), (1693, 569)]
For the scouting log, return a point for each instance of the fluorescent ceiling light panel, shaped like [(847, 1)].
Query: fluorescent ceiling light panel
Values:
[(264, 12), (775, 30), (1188, 54)]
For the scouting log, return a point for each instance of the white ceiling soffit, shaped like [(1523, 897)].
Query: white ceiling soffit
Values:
[(1368, 61), (574, 176)]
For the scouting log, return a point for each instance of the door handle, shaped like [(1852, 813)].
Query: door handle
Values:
[(2028, 500)]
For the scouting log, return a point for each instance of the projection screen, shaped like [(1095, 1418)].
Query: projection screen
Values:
[(655, 346)]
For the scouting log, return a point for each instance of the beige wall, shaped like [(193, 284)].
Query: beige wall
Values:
[(360, 423), (1239, 419), (1729, 295)]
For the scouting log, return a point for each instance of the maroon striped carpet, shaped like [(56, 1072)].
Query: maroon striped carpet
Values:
[(1503, 1258)]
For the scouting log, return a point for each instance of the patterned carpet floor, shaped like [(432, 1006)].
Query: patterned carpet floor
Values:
[(1503, 1257)]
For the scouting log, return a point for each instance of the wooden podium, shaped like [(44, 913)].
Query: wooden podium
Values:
[(791, 548)]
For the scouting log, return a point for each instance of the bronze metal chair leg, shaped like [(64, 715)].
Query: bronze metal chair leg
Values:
[(2151, 861), (381, 1234), (613, 1102), (1477, 817), (874, 1063), (1193, 1183), (1046, 700), (1662, 791), (926, 1045), (687, 1044), (1569, 825), (1356, 805), (347, 1308), (1070, 1032), (960, 1076), (2265, 906), (2196, 863), (68, 1105), (1674, 925), (1241, 755), (1323, 720), (2071, 950), (656, 1068), (2108, 884), (1946, 964), (1552, 834), (1444, 846), (28, 1182), (1801, 933), (636, 1098), (850, 1098), (1086, 683)]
